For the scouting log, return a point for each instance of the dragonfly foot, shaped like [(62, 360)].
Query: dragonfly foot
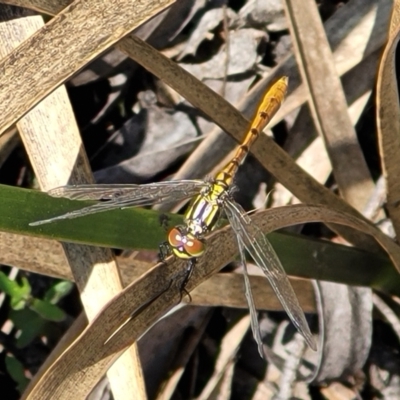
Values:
[(185, 281), (183, 292)]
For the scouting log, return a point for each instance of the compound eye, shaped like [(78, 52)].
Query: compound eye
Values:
[(175, 237), (194, 247)]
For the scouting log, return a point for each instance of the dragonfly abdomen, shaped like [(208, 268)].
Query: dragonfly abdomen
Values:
[(265, 111)]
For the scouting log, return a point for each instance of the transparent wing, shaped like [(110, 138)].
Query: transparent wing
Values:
[(111, 197), (255, 327), (265, 257)]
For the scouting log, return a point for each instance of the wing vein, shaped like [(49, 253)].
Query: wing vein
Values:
[(112, 197), (265, 257)]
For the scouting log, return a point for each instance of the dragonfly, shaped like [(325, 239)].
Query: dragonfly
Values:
[(209, 200)]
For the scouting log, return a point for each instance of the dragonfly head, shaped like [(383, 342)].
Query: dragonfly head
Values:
[(185, 245)]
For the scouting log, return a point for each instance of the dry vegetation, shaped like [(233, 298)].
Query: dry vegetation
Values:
[(104, 87)]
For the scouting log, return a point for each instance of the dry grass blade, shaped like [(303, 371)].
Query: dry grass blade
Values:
[(229, 346), (154, 293), (45, 257), (180, 362), (354, 32), (226, 289), (68, 42), (41, 5), (387, 99), (358, 84), (327, 102), (68, 338)]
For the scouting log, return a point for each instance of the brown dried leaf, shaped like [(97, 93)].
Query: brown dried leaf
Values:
[(387, 99), (327, 102)]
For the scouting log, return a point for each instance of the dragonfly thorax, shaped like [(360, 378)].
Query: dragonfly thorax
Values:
[(186, 241), (204, 211), (184, 244)]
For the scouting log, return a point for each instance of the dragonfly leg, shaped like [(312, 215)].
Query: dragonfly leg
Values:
[(164, 250), (189, 271)]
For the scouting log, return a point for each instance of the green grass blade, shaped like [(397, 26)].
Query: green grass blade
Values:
[(129, 228), (138, 228)]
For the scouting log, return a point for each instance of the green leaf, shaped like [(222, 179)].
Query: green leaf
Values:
[(17, 372), (18, 303), (29, 323), (19, 293), (58, 291), (22, 297), (8, 285), (47, 310)]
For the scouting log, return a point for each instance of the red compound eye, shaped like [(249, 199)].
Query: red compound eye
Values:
[(194, 247), (175, 237), (185, 245)]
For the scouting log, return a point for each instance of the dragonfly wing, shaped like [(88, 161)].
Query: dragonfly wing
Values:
[(255, 327), (113, 192), (265, 257), (112, 197)]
